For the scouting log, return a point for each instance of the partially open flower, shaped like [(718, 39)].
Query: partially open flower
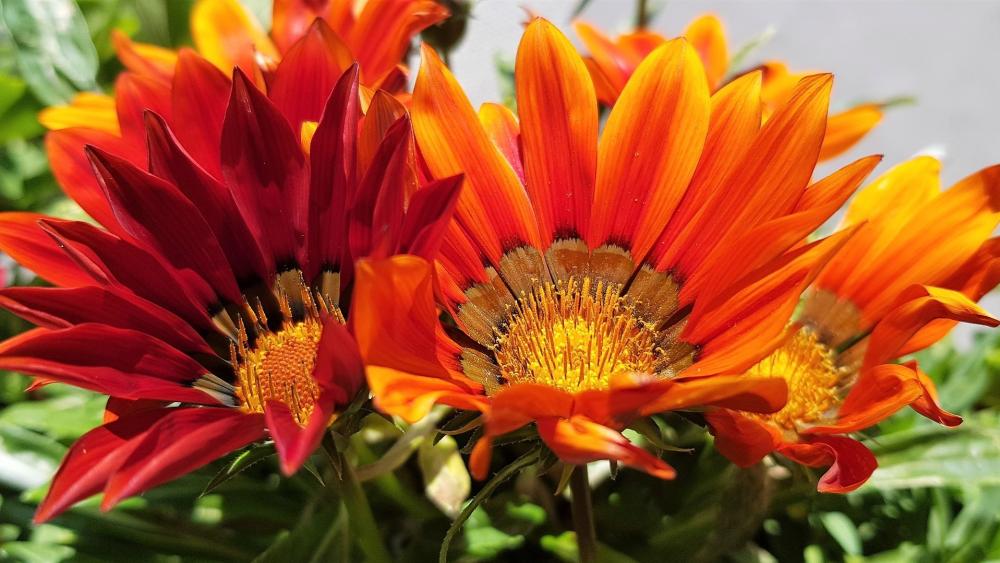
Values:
[(206, 304), (592, 281), (613, 60), (918, 262)]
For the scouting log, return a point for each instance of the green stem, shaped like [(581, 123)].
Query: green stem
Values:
[(583, 515), (359, 513), (642, 14)]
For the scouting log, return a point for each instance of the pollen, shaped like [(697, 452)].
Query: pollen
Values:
[(812, 375), (574, 336), (277, 365)]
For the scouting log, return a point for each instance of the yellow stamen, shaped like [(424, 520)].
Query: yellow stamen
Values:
[(574, 337), (813, 378), (278, 366)]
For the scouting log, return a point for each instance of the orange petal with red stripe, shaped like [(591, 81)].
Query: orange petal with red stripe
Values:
[(558, 114), (493, 206), (708, 37), (649, 148), (847, 128), (579, 440)]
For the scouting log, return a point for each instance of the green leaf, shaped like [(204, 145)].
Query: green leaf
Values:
[(30, 552), (241, 463), (54, 51), (929, 456), (62, 418), (842, 530), (27, 459), (319, 536)]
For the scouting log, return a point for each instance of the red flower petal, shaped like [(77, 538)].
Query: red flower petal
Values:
[(92, 459), (112, 361), (23, 239), (180, 443), (155, 212), (62, 307), (263, 165)]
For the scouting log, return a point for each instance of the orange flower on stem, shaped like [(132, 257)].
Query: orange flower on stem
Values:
[(613, 60), (206, 304), (918, 262), (594, 281)]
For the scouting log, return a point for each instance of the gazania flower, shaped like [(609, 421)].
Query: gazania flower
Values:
[(592, 280), (375, 33), (612, 62), (206, 305), (916, 265)]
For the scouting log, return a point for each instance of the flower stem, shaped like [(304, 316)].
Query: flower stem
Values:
[(360, 517), (583, 515)]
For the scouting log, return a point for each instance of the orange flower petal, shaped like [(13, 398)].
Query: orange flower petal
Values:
[(936, 242), (606, 56), (578, 440), (411, 397), (743, 440), (927, 404), (558, 110), (227, 35), (851, 463), (381, 35), (87, 110), (493, 207), (143, 58), (708, 37), (503, 129), (845, 129), (519, 404), (916, 307), (741, 325), (649, 148), (733, 125), (879, 393), (770, 179)]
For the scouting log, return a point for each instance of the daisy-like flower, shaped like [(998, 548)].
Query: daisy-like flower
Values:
[(916, 265), (592, 280), (375, 33), (613, 60), (206, 305)]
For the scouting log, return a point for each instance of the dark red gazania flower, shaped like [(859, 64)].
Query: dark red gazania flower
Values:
[(206, 305)]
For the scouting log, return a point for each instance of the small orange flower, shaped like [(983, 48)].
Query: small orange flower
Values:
[(917, 263), (612, 62), (375, 33), (593, 280)]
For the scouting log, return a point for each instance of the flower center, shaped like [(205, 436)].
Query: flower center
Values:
[(574, 336), (277, 365), (813, 378)]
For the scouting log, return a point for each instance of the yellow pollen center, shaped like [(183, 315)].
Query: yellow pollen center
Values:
[(279, 367), (813, 378), (574, 336)]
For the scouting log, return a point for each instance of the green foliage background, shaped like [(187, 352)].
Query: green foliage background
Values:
[(935, 497)]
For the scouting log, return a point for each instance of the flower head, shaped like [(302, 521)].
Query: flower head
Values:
[(917, 263), (613, 60), (596, 280), (206, 305)]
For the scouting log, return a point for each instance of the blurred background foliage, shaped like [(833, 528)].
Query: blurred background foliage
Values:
[(935, 496)]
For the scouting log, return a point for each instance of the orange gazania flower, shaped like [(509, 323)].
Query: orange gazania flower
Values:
[(375, 33), (916, 265), (592, 280), (612, 62), (206, 304)]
